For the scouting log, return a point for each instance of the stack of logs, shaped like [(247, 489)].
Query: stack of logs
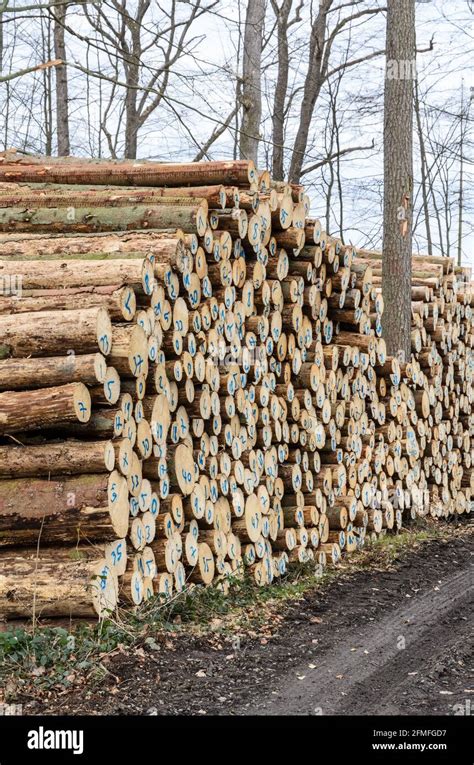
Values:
[(193, 383)]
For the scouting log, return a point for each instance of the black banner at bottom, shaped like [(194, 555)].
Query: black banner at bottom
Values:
[(116, 739)]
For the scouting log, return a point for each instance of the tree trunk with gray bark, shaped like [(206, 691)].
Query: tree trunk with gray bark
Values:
[(251, 97), (62, 99), (398, 175)]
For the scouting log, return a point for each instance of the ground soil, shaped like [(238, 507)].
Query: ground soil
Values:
[(397, 641)]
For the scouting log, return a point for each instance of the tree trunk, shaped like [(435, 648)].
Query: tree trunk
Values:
[(131, 120), (312, 87), (100, 247), (251, 95), (461, 176), (424, 171), (398, 175), (120, 302), (131, 65), (47, 46), (281, 87), (60, 274), (62, 100)]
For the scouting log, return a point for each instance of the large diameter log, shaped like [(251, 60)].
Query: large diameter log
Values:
[(190, 219), (66, 457), (33, 409), (249, 528), (18, 374), (33, 588), (56, 332), (58, 511), (129, 173)]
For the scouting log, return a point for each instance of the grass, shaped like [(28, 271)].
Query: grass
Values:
[(53, 656), (387, 548)]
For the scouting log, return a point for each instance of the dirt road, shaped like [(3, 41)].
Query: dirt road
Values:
[(370, 642), (381, 666)]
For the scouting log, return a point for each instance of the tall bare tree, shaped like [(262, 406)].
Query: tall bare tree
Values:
[(127, 34), (251, 88), (398, 175), (62, 98), (283, 23), (463, 121), (321, 41), (424, 170)]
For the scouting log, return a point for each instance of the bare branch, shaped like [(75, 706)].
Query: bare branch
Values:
[(22, 72), (336, 155)]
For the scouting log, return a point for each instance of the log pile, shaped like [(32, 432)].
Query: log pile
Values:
[(194, 384), (437, 391)]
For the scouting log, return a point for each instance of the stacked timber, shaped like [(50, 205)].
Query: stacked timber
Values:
[(430, 440), (259, 422)]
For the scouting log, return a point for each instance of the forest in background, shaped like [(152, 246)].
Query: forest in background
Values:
[(296, 85)]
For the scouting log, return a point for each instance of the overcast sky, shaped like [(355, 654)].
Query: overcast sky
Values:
[(202, 91)]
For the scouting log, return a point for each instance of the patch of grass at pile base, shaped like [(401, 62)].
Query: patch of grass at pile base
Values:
[(51, 656)]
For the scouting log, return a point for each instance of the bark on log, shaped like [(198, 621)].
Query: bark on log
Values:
[(126, 173), (33, 588), (33, 409), (66, 457), (120, 302), (98, 247), (52, 333), (63, 510), (91, 219), (18, 374)]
